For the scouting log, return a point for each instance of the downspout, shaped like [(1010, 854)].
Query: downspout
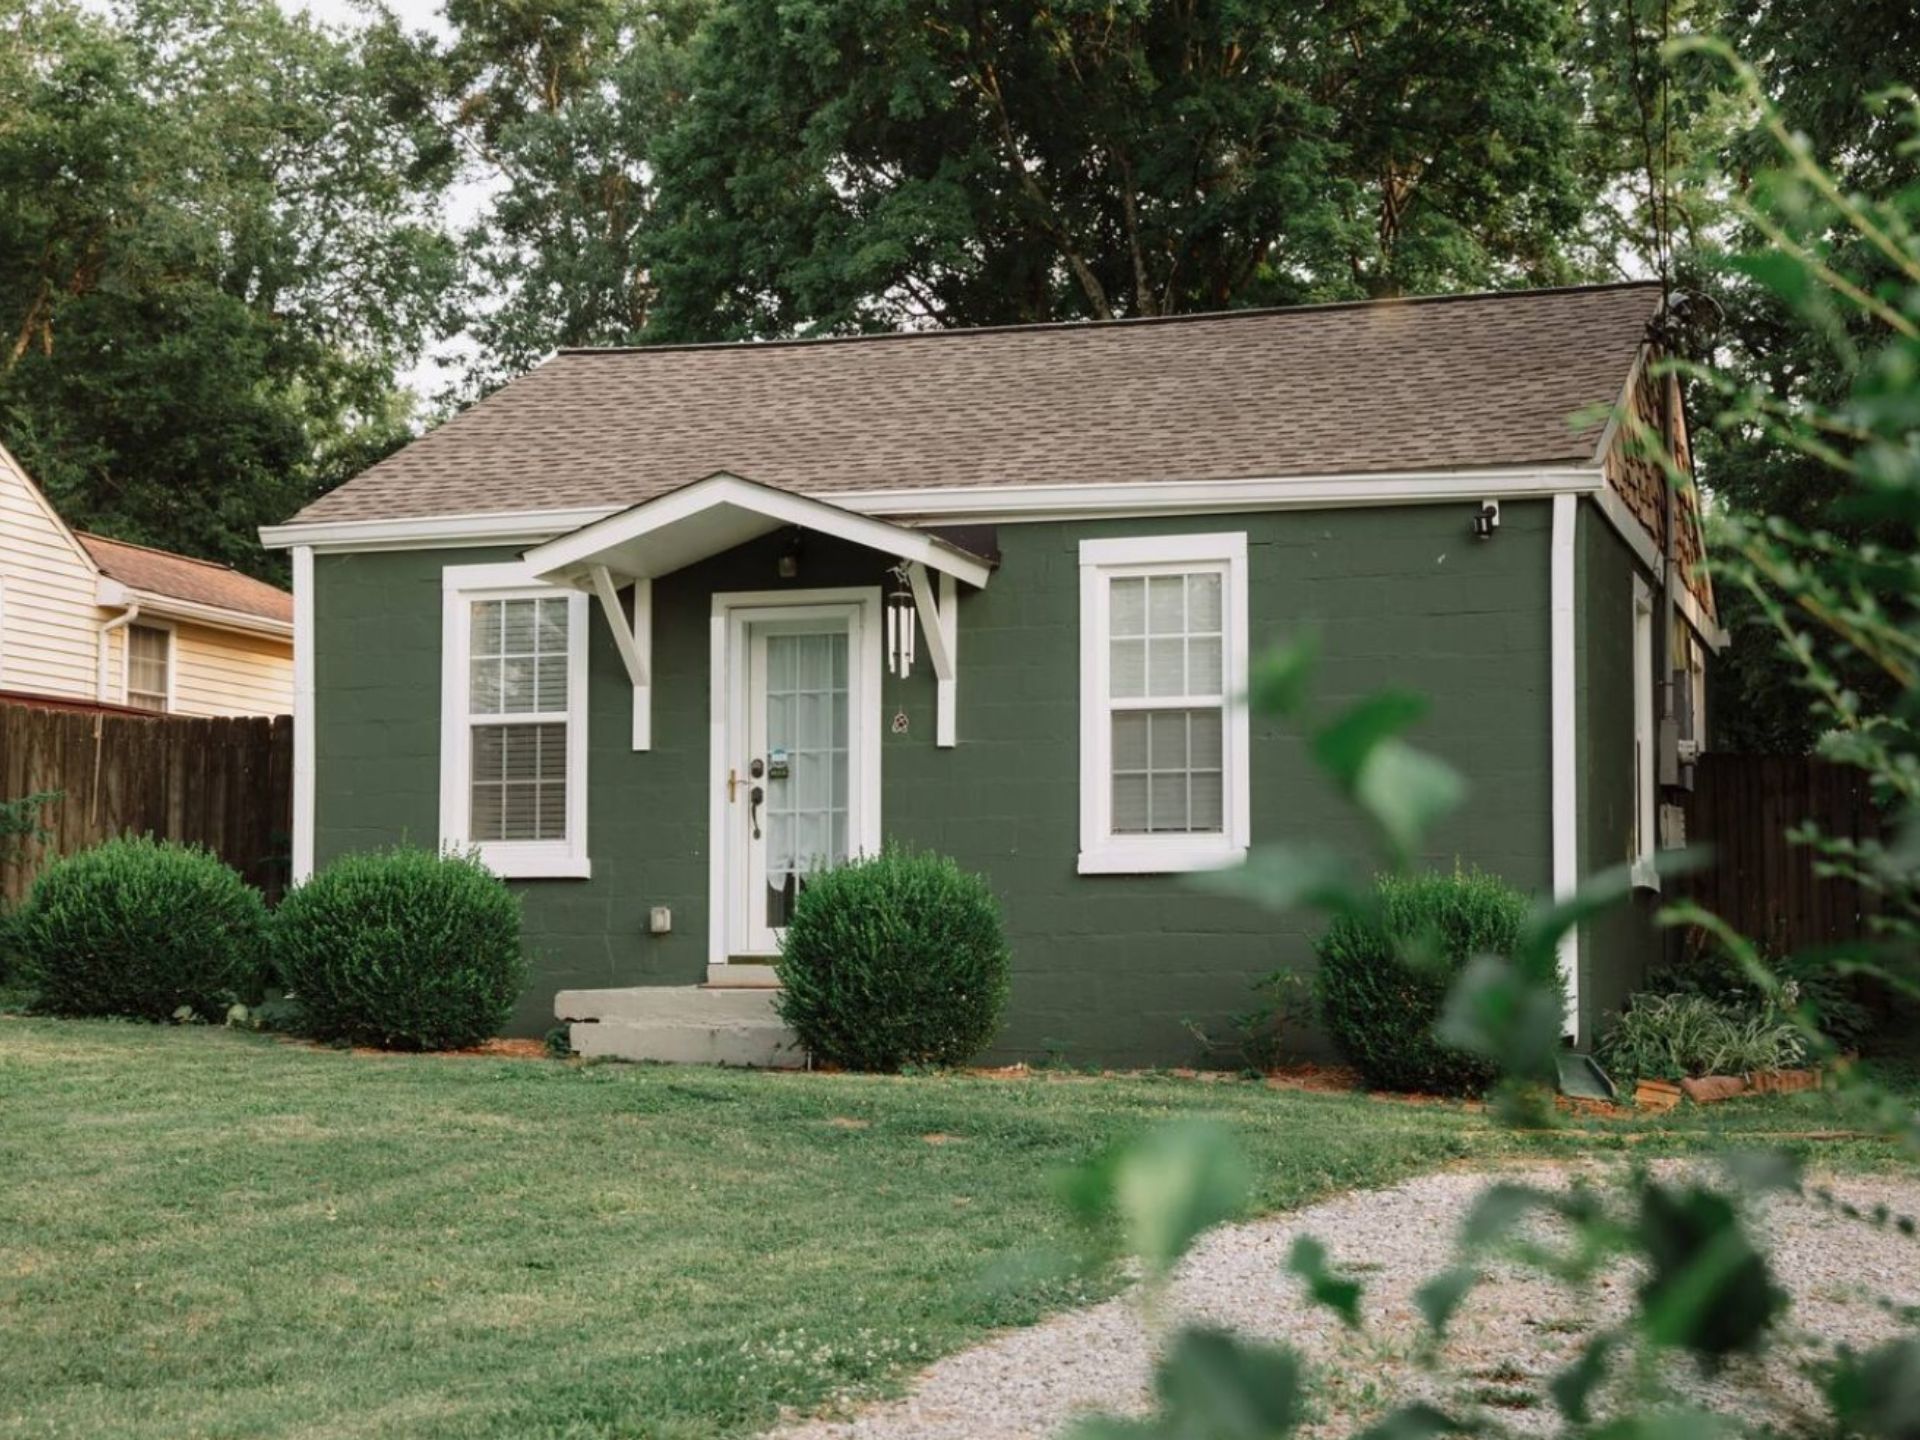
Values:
[(125, 617)]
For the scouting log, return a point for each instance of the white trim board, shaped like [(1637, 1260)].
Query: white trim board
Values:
[(303, 717), (930, 505), (1562, 557), (1627, 525)]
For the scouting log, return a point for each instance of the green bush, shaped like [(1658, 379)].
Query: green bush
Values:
[(1384, 975), (1705, 969), (141, 928), (405, 949), (1673, 1037), (892, 961)]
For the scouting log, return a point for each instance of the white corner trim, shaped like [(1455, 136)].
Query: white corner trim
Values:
[(303, 716), (1101, 851), (1566, 788), (947, 692), (643, 642), (932, 505), (522, 859)]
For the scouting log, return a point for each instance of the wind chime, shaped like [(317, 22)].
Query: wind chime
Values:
[(900, 615)]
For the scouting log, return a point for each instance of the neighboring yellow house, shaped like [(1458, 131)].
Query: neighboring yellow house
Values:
[(83, 617)]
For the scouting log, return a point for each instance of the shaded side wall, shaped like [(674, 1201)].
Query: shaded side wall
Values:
[(1107, 968)]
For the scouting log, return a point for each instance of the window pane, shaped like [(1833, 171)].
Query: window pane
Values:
[(518, 664), (147, 648), (1130, 739), (1204, 739), (1206, 813), (1166, 605), (1169, 748), (519, 782), (1203, 604), (1129, 804), (1129, 666), (1167, 802), (1167, 666), (1203, 666), (1129, 607), (486, 627)]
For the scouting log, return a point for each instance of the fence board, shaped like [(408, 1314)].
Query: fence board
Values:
[(226, 784), (1741, 808)]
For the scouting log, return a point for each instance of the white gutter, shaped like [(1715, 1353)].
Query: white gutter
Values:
[(125, 617)]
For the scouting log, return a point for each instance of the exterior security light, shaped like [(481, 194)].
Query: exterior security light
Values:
[(1487, 520)]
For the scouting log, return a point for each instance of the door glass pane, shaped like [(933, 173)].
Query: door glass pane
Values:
[(805, 822)]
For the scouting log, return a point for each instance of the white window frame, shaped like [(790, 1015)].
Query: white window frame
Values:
[(1646, 761), (165, 627), (461, 586), (1101, 851)]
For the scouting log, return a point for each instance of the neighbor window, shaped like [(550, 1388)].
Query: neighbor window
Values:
[(512, 775), (149, 667), (1163, 725)]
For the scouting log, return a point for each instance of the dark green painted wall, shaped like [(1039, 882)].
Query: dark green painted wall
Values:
[(1616, 947), (1107, 967)]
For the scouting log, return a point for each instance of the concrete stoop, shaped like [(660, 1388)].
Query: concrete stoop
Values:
[(679, 1025)]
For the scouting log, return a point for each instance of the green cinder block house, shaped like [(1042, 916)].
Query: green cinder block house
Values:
[(658, 630)]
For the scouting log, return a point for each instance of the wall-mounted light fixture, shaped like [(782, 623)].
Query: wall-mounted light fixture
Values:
[(787, 567), (1486, 520)]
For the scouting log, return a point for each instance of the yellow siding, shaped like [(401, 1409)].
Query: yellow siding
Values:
[(49, 623), (225, 672)]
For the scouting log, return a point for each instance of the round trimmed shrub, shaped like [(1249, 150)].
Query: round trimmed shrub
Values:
[(139, 927), (1384, 976), (894, 960), (405, 949)]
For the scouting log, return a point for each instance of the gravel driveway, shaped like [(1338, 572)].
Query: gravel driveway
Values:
[(1514, 1334)]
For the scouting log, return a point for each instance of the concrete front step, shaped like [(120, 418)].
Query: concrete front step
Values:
[(679, 1024)]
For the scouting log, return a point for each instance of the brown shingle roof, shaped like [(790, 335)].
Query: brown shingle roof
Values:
[(1446, 383), (180, 577)]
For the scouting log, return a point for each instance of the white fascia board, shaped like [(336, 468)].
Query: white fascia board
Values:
[(1009, 504)]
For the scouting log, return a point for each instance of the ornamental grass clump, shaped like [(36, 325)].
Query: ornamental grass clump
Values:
[(404, 949), (1386, 969), (140, 928), (893, 961)]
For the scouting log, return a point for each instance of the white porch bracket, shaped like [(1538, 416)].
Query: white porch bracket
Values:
[(633, 638), (939, 621)]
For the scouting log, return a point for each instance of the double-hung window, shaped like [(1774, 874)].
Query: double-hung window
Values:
[(513, 731), (150, 667), (1163, 718)]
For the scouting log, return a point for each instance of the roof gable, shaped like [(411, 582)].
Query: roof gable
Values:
[(1485, 381)]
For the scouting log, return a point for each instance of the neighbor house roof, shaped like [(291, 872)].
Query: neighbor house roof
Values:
[(1451, 383), (180, 577)]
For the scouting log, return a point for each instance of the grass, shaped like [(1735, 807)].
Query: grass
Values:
[(211, 1234)]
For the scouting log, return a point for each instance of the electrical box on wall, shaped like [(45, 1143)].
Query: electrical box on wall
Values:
[(660, 920)]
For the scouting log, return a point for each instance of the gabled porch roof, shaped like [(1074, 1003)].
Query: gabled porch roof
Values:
[(706, 517)]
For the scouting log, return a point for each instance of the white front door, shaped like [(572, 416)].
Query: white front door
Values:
[(801, 757)]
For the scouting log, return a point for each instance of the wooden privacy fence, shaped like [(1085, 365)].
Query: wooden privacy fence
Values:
[(226, 784), (1759, 881)]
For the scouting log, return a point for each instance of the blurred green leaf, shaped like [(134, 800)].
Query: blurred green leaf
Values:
[(1415, 1422), (1441, 1296), (1709, 1290), (1308, 1260), (1346, 743), (1572, 1389), (1513, 1018), (1216, 1387), (1282, 677), (1498, 1209), (1878, 1394), (1174, 1184), (1407, 791), (1287, 877)]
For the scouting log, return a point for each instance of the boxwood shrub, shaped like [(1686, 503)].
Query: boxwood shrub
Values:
[(405, 949), (894, 960), (139, 927), (1384, 975)]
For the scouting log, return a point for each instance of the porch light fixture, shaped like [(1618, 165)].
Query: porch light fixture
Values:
[(787, 567), (1486, 520), (900, 620)]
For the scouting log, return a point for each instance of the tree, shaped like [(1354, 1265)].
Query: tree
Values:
[(216, 250), (857, 164), (559, 103)]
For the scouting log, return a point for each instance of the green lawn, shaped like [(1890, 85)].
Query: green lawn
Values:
[(211, 1234)]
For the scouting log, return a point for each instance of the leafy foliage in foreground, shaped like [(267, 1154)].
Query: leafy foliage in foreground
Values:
[(1385, 972), (141, 928), (894, 960), (403, 948)]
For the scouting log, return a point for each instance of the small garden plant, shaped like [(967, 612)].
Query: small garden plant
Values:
[(1677, 1037), (1385, 971), (141, 928), (893, 961), (405, 949)]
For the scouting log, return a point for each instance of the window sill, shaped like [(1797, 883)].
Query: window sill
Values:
[(1159, 859), (521, 862)]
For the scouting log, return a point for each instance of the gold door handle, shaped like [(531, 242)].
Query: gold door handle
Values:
[(733, 783)]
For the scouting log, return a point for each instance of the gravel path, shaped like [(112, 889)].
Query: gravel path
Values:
[(1513, 1334)]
